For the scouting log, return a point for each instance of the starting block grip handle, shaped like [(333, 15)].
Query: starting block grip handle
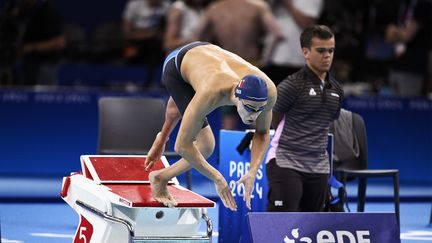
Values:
[(65, 188)]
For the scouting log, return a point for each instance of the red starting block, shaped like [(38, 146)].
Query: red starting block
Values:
[(113, 197)]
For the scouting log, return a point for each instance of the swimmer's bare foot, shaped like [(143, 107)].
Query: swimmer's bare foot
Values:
[(160, 191)]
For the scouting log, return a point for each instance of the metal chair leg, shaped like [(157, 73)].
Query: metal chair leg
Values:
[(396, 196), (361, 194)]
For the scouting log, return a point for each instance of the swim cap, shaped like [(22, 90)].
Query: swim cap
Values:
[(252, 87)]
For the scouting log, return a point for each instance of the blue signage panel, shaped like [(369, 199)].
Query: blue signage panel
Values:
[(233, 166), (321, 227)]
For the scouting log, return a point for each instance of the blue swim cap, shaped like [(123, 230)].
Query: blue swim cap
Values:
[(252, 87)]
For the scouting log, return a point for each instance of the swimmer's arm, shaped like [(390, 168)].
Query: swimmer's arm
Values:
[(260, 140), (172, 116), (198, 108), (202, 104), (260, 143)]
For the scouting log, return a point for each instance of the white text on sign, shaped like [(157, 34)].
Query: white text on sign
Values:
[(236, 171)]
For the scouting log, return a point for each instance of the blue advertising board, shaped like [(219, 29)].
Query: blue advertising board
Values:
[(44, 132), (320, 227), (233, 166)]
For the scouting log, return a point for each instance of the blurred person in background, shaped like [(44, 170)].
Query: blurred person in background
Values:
[(42, 42), (239, 26), (143, 27), (182, 22), (292, 17), (411, 36)]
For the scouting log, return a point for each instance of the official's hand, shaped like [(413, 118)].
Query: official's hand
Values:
[(225, 194), (155, 152), (248, 181)]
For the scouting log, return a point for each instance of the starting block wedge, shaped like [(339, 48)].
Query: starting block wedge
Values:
[(112, 196)]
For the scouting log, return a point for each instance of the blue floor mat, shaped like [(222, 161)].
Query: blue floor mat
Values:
[(57, 222), (31, 218)]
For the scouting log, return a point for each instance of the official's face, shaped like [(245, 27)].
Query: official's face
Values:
[(320, 55)]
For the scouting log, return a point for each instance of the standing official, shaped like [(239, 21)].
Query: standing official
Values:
[(308, 101)]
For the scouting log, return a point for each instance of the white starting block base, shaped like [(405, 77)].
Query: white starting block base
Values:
[(113, 199)]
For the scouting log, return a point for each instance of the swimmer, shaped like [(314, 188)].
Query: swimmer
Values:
[(201, 77)]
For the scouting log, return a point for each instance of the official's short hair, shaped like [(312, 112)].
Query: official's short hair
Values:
[(319, 31)]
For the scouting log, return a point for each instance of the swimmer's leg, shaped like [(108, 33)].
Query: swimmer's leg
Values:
[(159, 179)]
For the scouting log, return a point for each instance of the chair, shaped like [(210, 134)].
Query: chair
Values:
[(129, 125), (357, 167)]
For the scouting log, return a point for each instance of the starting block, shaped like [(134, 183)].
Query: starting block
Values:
[(112, 196)]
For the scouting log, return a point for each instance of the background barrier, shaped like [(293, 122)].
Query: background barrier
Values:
[(43, 133), (64, 125)]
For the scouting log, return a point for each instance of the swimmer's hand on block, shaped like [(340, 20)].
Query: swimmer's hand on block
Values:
[(156, 151)]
